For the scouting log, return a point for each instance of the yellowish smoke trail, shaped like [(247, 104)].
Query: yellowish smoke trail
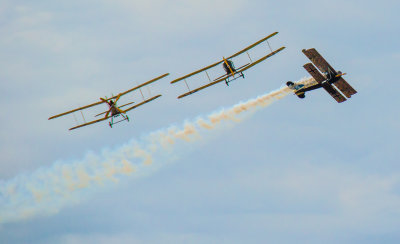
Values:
[(48, 190)]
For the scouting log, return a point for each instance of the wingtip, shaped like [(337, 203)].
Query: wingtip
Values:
[(174, 81)]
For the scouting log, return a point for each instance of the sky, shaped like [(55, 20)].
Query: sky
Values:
[(305, 171)]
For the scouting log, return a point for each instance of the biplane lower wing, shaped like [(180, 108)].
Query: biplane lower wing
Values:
[(334, 93), (200, 88), (261, 59), (243, 68), (77, 109), (144, 84), (345, 87), (90, 123)]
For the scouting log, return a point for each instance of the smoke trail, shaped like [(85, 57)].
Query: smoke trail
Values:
[(47, 190)]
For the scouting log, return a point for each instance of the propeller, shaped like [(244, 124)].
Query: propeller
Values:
[(114, 105), (108, 112), (116, 100), (106, 101)]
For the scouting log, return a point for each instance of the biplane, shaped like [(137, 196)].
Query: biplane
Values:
[(326, 79), (114, 111), (231, 72)]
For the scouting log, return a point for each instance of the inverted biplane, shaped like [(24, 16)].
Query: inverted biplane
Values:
[(326, 79), (114, 111), (231, 72)]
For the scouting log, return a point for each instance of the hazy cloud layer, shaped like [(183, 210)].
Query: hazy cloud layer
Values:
[(306, 171)]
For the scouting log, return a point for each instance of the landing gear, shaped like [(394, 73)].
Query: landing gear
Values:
[(125, 117), (227, 81)]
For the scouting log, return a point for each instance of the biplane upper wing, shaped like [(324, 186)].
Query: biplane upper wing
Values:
[(90, 123), (232, 56), (144, 102), (141, 85), (318, 60), (246, 67), (201, 88), (77, 109), (253, 45), (105, 100), (325, 67)]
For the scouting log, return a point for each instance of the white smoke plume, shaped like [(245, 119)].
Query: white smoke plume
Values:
[(47, 190)]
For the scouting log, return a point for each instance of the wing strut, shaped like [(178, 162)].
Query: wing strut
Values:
[(186, 84), (248, 55), (83, 117), (207, 76), (269, 46)]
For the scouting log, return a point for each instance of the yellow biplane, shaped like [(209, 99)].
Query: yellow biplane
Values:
[(114, 110), (231, 73)]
